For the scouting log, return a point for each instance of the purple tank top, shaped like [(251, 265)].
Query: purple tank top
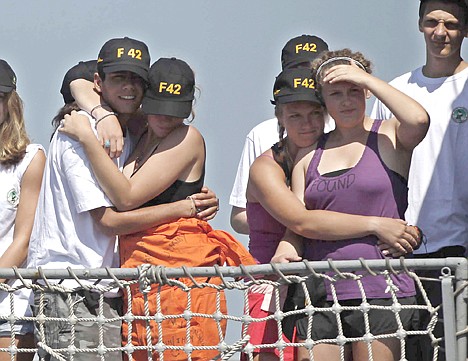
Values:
[(370, 188), (265, 232)]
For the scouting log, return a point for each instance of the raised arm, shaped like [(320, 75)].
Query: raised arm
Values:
[(410, 119), (108, 127)]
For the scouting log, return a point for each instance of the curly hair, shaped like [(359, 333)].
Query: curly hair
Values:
[(327, 57), (13, 136)]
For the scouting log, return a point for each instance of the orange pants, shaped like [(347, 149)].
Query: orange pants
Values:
[(191, 243)]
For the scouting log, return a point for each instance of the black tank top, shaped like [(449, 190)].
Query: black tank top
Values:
[(177, 191)]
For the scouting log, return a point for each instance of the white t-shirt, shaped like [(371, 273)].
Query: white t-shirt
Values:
[(438, 195), (64, 232), (258, 141), (10, 187)]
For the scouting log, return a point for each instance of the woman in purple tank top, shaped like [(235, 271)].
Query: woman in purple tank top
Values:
[(272, 207), (359, 168)]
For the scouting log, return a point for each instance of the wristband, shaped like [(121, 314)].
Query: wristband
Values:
[(105, 116), (96, 107), (193, 207)]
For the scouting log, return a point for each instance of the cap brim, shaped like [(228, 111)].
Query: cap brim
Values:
[(290, 98), (176, 109), (6, 88), (138, 70)]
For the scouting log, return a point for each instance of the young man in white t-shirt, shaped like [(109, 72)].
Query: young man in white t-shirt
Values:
[(297, 52), (75, 223), (438, 196)]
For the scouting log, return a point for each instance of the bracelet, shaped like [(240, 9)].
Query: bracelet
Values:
[(97, 107), (193, 207), (105, 116)]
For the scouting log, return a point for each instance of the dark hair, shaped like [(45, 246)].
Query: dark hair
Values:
[(66, 109), (195, 98), (461, 3), (282, 157), (101, 74)]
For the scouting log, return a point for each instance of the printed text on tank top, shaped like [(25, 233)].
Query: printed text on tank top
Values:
[(341, 172)]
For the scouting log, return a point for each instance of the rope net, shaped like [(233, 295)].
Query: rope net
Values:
[(183, 316)]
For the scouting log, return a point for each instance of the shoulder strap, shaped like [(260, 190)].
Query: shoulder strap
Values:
[(319, 151), (372, 139)]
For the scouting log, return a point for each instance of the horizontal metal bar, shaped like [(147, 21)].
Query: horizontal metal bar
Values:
[(234, 272)]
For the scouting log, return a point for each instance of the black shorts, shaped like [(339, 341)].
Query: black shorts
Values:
[(381, 321)]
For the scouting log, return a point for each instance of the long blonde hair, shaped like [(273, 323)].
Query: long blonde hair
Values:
[(13, 136)]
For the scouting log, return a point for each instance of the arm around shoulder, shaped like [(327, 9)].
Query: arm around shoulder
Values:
[(107, 124)]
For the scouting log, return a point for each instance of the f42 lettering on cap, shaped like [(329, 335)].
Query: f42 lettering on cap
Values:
[(306, 47), (304, 82), (133, 53), (170, 87)]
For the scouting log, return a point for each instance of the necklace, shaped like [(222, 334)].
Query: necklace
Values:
[(151, 144)]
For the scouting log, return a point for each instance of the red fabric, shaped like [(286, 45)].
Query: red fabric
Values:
[(265, 332), (191, 243)]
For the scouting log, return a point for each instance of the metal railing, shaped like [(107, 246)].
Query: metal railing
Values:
[(453, 282)]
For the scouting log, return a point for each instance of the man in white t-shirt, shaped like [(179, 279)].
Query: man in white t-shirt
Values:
[(75, 225), (297, 52), (438, 196)]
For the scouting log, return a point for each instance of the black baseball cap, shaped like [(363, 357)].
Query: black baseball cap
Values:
[(7, 77), (82, 70), (171, 90), (293, 85), (301, 49), (124, 54)]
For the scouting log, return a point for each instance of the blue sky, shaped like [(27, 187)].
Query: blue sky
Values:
[(233, 46)]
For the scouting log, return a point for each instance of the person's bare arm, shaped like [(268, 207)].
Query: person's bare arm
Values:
[(289, 249), (182, 149), (140, 219), (410, 120), (108, 126), (16, 253), (268, 186), (239, 220)]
